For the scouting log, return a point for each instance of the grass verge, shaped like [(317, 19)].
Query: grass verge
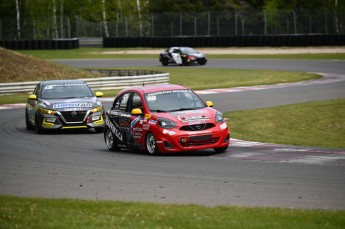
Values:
[(18, 212), (320, 124)]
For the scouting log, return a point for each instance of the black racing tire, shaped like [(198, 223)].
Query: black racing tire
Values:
[(29, 126), (151, 145), (99, 130), (220, 150), (110, 140), (38, 125), (164, 62)]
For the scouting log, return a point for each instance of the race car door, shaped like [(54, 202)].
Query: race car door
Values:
[(32, 103), (120, 117), (137, 131), (176, 54)]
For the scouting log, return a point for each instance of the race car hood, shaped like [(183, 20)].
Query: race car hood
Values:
[(197, 55), (70, 104), (190, 117)]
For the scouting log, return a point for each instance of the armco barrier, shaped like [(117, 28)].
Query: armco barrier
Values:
[(40, 44), (228, 41), (102, 83)]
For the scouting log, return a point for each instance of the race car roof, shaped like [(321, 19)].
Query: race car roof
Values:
[(47, 82), (161, 87)]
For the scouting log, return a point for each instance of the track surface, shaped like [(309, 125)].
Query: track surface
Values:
[(77, 164)]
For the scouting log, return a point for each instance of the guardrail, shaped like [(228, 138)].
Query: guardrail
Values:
[(102, 83)]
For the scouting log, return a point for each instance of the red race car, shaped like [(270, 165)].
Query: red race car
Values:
[(164, 119)]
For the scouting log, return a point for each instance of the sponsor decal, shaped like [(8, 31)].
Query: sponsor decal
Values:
[(146, 126), (114, 129), (223, 126), (169, 132), (51, 86), (195, 112), (73, 109), (199, 132), (153, 122), (137, 129), (135, 121), (192, 118), (165, 92), (71, 105)]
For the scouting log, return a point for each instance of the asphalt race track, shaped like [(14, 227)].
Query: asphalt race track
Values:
[(76, 164)]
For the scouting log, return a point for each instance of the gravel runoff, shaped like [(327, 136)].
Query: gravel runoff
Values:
[(242, 51)]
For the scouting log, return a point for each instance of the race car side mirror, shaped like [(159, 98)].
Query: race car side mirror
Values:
[(209, 103), (99, 94), (136, 111), (32, 97)]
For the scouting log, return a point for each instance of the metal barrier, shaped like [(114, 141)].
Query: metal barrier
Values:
[(102, 83)]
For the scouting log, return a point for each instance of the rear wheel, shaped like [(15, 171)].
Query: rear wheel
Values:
[(151, 145), (110, 140)]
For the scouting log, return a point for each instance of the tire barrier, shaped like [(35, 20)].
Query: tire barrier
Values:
[(228, 41), (114, 79), (40, 44)]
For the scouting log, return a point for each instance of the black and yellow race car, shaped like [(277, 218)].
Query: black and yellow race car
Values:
[(182, 56), (64, 104)]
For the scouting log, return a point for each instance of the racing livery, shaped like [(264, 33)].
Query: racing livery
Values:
[(164, 119), (64, 104), (182, 56)]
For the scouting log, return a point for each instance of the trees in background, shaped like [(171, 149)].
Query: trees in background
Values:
[(55, 18)]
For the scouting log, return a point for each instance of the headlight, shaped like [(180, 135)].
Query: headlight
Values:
[(97, 109), (46, 111), (219, 117), (166, 123)]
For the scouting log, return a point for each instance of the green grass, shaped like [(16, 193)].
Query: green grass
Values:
[(97, 53), (319, 124), (221, 78), (18, 212)]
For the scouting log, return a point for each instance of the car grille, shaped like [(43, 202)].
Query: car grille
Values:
[(199, 140), (73, 116), (197, 127)]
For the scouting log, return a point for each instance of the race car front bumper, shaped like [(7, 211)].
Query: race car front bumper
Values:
[(59, 120), (170, 140)]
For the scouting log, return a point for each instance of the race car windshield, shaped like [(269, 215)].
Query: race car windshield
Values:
[(188, 50), (65, 91), (173, 100)]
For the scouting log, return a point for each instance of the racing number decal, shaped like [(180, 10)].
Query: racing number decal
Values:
[(177, 58)]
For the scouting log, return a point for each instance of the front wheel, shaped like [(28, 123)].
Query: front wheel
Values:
[(151, 145), (29, 126), (38, 125), (110, 140), (99, 129)]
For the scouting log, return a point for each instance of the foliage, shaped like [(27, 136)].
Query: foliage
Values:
[(46, 19)]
